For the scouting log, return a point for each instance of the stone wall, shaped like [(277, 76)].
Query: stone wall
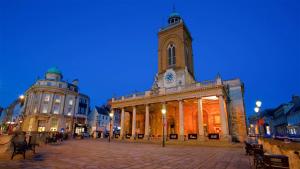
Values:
[(287, 149)]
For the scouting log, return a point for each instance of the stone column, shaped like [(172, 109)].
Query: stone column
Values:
[(122, 123), (62, 104), (164, 123), (181, 121), (146, 136), (112, 123), (51, 104), (133, 122), (223, 117), (200, 120), (40, 103)]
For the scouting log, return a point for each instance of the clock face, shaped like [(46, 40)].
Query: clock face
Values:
[(170, 78)]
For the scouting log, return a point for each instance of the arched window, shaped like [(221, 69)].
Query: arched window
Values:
[(171, 55)]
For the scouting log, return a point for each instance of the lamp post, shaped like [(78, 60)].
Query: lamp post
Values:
[(111, 115), (163, 112), (21, 115), (258, 104)]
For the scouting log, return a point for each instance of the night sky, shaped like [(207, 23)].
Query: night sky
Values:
[(111, 46)]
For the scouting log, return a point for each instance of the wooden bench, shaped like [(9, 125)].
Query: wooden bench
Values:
[(272, 161), (19, 144), (19, 148), (258, 153)]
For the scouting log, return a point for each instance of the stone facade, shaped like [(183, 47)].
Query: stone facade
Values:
[(52, 104), (194, 110)]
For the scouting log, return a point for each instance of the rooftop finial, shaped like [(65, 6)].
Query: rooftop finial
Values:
[(173, 9)]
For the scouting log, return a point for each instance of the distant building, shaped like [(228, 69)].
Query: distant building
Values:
[(12, 116), (283, 121), (293, 117), (52, 104), (99, 119)]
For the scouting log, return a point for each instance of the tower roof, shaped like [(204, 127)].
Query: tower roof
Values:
[(173, 14), (174, 17), (54, 70)]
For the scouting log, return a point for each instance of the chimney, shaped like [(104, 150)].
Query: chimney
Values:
[(75, 82)]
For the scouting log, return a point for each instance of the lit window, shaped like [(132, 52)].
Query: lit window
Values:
[(56, 109), (57, 99), (69, 111), (54, 123), (47, 98), (45, 109), (41, 129), (71, 102)]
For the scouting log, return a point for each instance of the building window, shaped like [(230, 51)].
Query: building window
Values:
[(35, 110), (45, 108), (41, 125), (47, 98), (57, 99), (56, 109), (70, 102), (53, 125), (171, 55), (69, 111)]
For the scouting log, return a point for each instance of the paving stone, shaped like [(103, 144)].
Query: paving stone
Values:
[(97, 154)]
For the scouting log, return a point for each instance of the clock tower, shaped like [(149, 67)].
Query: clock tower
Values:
[(175, 54)]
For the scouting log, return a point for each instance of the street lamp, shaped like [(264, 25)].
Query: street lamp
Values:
[(256, 109), (21, 97), (258, 103), (111, 115), (163, 112)]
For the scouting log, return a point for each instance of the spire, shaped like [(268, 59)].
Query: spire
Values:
[(173, 9)]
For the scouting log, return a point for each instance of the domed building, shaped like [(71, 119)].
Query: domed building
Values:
[(52, 104)]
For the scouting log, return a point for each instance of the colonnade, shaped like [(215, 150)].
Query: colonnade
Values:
[(200, 121)]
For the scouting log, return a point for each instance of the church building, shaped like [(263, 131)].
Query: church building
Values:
[(192, 110)]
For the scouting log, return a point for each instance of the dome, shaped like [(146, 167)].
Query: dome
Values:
[(173, 14), (54, 74), (54, 70)]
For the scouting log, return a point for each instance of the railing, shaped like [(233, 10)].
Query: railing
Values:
[(201, 85), (138, 94)]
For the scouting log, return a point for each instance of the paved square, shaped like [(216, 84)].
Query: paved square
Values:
[(92, 154)]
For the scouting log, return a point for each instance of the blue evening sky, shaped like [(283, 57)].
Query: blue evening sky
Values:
[(111, 46)]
